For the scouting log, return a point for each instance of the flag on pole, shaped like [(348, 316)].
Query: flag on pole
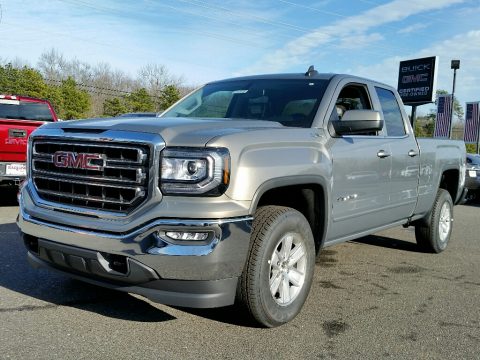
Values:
[(472, 123), (444, 116)]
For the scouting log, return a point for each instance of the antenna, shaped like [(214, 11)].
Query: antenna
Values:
[(311, 71)]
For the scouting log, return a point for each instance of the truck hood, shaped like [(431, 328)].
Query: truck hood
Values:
[(175, 131)]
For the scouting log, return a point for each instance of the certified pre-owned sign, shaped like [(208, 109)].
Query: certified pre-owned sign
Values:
[(417, 80)]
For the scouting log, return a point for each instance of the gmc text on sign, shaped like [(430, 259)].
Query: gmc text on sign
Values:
[(417, 80)]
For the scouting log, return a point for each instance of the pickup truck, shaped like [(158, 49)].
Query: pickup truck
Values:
[(19, 116), (231, 193)]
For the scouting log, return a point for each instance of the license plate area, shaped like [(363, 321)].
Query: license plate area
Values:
[(16, 169)]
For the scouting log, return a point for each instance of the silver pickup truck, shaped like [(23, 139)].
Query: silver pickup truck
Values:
[(234, 190)]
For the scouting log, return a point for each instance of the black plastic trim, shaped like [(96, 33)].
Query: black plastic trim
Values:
[(297, 181), (184, 293), (91, 263)]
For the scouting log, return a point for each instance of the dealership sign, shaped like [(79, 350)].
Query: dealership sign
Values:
[(417, 80)]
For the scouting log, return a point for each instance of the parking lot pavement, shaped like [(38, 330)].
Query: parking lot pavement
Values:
[(377, 297)]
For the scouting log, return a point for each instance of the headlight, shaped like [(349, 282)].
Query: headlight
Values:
[(193, 171)]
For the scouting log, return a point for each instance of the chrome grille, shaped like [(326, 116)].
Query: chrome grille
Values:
[(115, 178)]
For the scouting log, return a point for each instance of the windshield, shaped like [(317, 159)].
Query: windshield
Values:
[(290, 102), (24, 110), (473, 160)]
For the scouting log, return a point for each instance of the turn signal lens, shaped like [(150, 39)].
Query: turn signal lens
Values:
[(188, 236)]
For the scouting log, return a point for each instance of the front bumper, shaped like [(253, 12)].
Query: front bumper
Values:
[(196, 293), (192, 274), (472, 183)]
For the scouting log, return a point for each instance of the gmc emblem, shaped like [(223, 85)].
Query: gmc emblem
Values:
[(73, 160)]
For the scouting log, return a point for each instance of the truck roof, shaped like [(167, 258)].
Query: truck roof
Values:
[(324, 76), (25, 108), (22, 98), (308, 75)]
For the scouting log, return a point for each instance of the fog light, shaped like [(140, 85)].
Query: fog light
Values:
[(180, 235)]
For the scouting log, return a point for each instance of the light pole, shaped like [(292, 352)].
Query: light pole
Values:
[(455, 65)]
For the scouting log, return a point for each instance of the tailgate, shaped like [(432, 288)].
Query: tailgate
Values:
[(13, 138)]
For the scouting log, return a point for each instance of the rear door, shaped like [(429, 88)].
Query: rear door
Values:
[(404, 153)]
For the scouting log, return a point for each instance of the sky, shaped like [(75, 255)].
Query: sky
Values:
[(204, 40)]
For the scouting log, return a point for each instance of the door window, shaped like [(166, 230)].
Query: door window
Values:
[(352, 97), (391, 112)]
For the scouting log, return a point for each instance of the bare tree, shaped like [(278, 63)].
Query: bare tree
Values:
[(16, 62), (103, 82), (52, 65), (185, 90), (155, 77), (100, 80)]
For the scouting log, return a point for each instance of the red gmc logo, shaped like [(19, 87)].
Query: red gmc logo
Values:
[(68, 159)]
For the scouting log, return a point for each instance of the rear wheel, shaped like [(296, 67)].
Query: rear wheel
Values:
[(280, 266), (433, 235)]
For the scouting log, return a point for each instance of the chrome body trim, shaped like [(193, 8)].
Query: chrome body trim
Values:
[(141, 156), (82, 182), (138, 194), (25, 219), (107, 138), (221, 256), (76, 188), (140, 175)]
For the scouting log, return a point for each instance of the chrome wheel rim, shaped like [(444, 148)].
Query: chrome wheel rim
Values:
[(445, 222), (288, 265)]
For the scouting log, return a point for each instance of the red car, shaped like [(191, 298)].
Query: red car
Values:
[(19, 116)]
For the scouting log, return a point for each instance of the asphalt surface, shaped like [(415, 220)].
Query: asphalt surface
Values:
[(377, 297)]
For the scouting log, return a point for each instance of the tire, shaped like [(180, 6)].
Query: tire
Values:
[(433, 234), (278, 234)]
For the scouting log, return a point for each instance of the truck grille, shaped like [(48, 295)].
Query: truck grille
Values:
[(98, 176)]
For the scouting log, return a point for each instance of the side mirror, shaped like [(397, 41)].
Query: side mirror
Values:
[(358, 121)]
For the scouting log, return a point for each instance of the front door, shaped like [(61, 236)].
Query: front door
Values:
[(361, 183), (361, 172)]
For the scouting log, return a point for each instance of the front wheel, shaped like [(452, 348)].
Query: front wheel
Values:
[(434, 234), (280, 265)]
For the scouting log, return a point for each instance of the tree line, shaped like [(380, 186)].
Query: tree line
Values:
[(78, 89)]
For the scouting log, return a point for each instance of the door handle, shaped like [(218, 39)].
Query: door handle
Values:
[(412, 153), (383, 154), (17, 133)]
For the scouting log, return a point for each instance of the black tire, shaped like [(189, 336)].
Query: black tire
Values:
[(273, 227), (433, 234)]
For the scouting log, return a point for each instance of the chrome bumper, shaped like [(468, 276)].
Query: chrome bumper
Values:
[(222, 256)]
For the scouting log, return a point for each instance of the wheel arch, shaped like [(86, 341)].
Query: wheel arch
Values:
[(307, 194), (449, 180)]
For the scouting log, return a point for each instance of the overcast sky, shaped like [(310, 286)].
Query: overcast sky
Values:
[(208, 40)]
